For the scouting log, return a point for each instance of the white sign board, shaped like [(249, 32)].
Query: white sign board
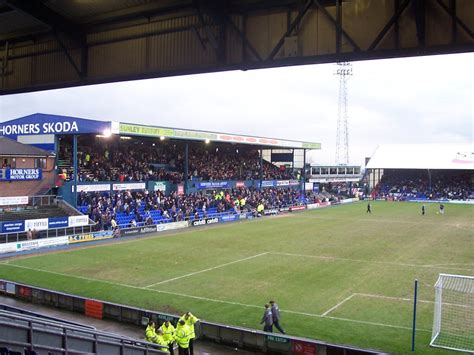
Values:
[(13, 200)]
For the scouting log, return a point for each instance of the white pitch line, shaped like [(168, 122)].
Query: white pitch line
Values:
[(390, 297), (377, 324), (365, 261), (205, 270), (211, 299), (337, 305)]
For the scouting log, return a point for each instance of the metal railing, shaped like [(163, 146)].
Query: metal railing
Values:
[(49, 233), (36, 334)]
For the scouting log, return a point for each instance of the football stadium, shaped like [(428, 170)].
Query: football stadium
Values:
[(118, 237)]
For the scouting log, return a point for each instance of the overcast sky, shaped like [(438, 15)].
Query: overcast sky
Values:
[(411, 100)]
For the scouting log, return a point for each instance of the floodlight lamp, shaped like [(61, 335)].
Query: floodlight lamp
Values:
[(207, 141), (162, 138), (107, 133)]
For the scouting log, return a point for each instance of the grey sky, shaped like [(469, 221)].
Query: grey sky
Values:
[(411, 100)]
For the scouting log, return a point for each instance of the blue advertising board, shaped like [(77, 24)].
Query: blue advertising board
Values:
[(21, 174), (13, 226), (229, 218), (316, 187), (40, 123), (213, 185), (268, 183), (58, 222)]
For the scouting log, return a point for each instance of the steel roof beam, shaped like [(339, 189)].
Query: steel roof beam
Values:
[(43, 14)]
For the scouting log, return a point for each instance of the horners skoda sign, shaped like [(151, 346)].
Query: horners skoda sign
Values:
[(39, 123), (36, 128)]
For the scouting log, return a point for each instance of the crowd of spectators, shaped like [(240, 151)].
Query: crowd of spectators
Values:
[(416, 184), (141, 206), (142, 161)]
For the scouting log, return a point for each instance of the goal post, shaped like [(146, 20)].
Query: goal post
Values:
[(453, 322)]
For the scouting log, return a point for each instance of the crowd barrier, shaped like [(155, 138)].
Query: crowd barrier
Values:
[(219, 333)]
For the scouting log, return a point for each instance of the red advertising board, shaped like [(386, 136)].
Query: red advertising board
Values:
[(180, 189), (302, 347), (240, 184), (93, 309), (24, 292)]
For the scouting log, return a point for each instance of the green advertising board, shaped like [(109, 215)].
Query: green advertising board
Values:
[(277, 339), (146, 130)]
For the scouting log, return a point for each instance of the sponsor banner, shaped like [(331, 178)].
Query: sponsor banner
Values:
[(278, 339), (24, 292), (283, 183), (302, 347), (51, 124), (10, 288), (27, 245), (284, 209), (268, 183), (92, 188), (312, 206), (22, 174), (2, 286), (13, 226), (58, 222), (294, 182), (14, 200), (203, 222), (347, 200), (297, 208), (243, 215), (130, 231), (213, 185), (41, 243), (229, 218), (270, 211), (147, 229), (80, 238), (159, 185), (7, 248), (315, 187), (154, 131), (149, 131), (77, 221), (240, 184), (172, 226), (38, 224), (129, 186)]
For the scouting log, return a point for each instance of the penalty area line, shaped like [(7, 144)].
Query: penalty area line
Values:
[(206, 270), (336, 258), (337, 305), (210, 299)]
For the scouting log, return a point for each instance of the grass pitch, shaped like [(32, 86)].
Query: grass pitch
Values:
[(338, 274)]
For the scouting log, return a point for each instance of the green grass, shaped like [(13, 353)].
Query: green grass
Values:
[(308, 262)]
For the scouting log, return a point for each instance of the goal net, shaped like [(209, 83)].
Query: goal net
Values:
[(453, 324)]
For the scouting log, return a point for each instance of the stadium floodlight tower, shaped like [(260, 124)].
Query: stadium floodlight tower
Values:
[(344, 71), (453, 324)]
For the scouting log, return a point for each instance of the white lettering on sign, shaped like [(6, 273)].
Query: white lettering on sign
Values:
[(35, 128)]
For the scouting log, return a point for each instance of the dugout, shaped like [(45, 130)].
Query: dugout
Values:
[(69, 139), (422, 161)]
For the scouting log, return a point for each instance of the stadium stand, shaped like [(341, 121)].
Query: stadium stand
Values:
[(24, 334), (415, 184), (146, 207), (128, 161)]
